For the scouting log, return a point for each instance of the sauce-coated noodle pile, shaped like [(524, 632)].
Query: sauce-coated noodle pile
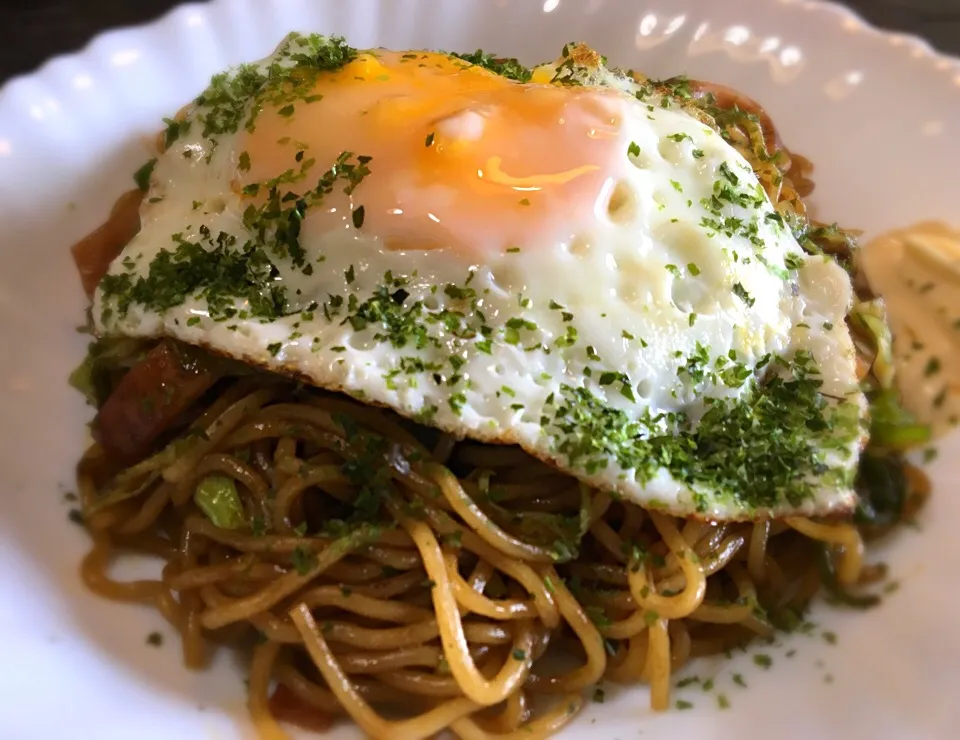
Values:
[(472, 566), (383, 571)]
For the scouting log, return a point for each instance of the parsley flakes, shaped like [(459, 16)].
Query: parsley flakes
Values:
[(738, 449), (303, 560), (358, 214), (142, 175), (763, 660), (740, 292), (234, 99), (505, 67), (220, 273)]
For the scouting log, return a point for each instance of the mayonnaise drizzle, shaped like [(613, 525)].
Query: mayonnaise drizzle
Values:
[(917, 271)]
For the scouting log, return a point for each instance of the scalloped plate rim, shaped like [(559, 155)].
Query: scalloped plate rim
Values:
[(827, 8), (626, 714)]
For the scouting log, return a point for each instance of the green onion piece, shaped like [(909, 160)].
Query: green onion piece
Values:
[(217, 497)]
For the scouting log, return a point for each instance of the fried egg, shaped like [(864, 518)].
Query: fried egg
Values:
[(563, 259)]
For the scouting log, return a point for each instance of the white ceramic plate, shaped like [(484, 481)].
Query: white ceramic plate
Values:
[(879, 115)]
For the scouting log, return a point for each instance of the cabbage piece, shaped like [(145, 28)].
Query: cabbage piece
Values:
[(892, 426), (217, 497), (871, 318), (106, 361)]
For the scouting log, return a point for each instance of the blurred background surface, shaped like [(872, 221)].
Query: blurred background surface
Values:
[(31, 31)]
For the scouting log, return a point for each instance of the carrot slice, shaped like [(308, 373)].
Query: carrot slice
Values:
[(94, 253)]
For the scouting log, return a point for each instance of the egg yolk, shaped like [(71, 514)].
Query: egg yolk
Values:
[(460, 158)]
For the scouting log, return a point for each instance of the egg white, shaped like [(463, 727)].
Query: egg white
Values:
[(643, 282)]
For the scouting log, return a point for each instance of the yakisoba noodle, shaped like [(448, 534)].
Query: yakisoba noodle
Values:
[(669, 589), (437, 615)]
